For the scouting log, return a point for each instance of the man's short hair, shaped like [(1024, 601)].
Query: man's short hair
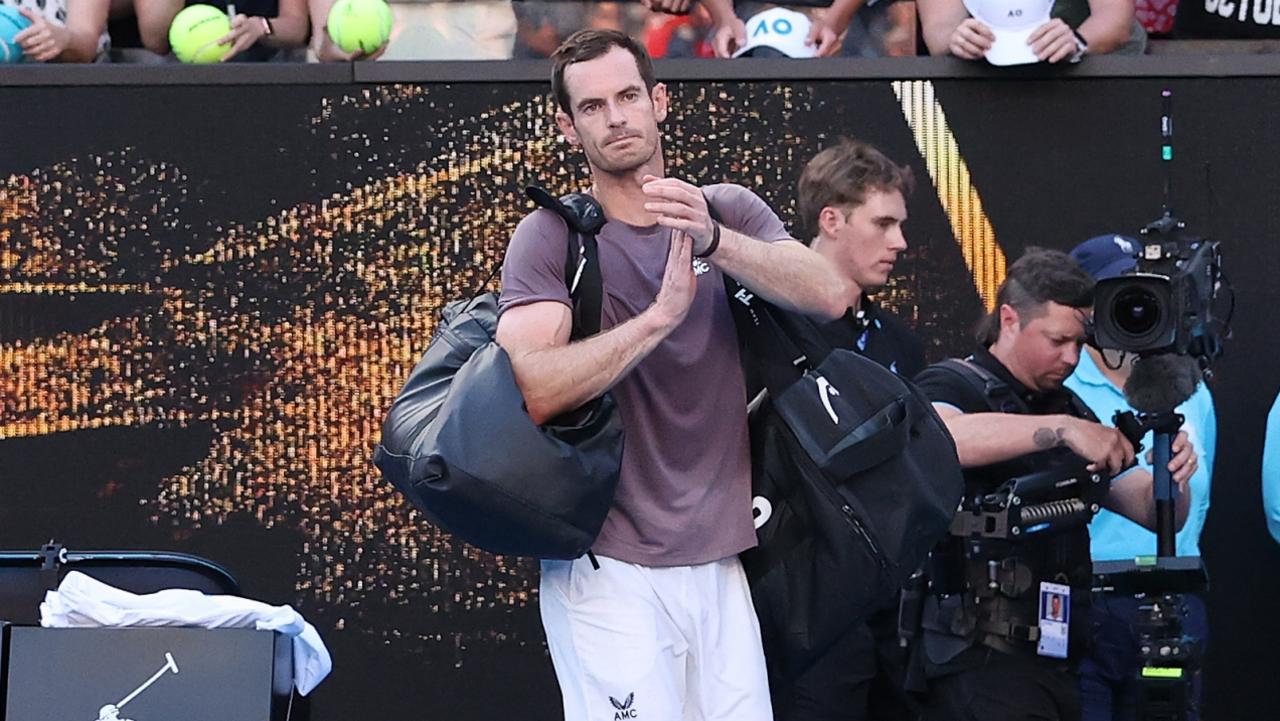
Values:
[(587, 45), (842, 175), (1039, 277)]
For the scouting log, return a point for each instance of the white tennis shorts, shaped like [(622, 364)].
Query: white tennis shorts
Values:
[(648, 643)]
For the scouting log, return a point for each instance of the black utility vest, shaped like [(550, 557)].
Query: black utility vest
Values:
[(960, 567)]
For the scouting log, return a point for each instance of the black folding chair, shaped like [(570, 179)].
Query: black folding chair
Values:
[(25, 576)]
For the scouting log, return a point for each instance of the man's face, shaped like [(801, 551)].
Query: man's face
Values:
[(1043, 350), (868, 239), (615, 119)]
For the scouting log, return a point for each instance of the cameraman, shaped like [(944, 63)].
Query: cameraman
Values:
[(1010, 416), (1109, 674)]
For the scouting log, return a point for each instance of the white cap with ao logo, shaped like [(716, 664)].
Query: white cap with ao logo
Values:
[(781, 29), (1012, 22)]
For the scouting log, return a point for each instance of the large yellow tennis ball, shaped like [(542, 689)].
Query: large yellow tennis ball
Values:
[(194, 34), (360, 25)]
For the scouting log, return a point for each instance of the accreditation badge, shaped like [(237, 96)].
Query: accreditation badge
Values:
[(1055, 618)]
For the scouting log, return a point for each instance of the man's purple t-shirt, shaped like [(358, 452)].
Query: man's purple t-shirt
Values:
[(684, 497)]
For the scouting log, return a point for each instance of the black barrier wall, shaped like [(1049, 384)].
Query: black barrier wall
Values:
[(212, 283)]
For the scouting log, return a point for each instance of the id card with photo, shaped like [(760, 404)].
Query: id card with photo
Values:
[(1055, 618)]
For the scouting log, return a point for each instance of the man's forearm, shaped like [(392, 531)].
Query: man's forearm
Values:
[(318, 12), (154, 18), (986, 438), (82, 48), (841, 13), (720, 11), (1107, 28), (562, 378), (938, 20), (1131, 496), (786, 273)]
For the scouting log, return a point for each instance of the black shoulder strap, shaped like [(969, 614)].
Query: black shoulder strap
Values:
[(781, 362), (999, 396), (586, 284), (584, 217), (784, 353)]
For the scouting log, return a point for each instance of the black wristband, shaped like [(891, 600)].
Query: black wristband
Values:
[(715, 242), (1084, 44)]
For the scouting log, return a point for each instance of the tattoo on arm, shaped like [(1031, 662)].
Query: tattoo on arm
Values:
[(1048, 437)]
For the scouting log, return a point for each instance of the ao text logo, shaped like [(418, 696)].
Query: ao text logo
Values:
[(779, 26)]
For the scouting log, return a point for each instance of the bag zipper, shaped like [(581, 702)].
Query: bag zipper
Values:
[(845, 508)]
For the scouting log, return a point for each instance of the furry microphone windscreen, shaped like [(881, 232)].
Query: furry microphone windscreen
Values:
[(1160, 383)]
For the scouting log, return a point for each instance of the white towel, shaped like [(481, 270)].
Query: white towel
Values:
[(85, 602)]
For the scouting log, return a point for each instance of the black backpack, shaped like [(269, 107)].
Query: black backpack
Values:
[(460, 446), (854, 477)]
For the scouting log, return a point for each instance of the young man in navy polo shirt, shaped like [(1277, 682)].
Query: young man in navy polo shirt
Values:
[(852, 199)]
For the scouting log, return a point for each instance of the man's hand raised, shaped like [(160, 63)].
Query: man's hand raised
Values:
[(680, 206), (679, 285)]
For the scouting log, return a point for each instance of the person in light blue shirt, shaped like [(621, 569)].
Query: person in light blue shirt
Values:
[(1109, 686), (1271, 471), (1112, 537)]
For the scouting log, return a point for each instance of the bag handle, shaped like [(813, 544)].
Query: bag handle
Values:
[(874, 441)]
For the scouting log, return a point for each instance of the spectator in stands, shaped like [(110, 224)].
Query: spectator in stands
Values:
[(542, 26), (1156, 16), (608, 16), (731, 28), (261, 30), (1075, 28), (63, 31), (839, 26), (322, 44), (671, 7), (449, 30), (679, 35)]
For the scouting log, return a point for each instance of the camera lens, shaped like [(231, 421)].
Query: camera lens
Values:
[(1136, 311)]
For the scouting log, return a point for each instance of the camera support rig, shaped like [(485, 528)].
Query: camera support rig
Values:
[(1164, 306)]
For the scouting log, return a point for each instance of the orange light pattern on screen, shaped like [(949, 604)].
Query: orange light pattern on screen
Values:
[(293, 447), (950, 174), (290, 335)]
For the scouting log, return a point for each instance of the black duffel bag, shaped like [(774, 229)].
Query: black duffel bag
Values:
[(460, 446), (854, 479)]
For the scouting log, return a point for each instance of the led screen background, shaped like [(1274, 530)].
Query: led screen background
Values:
[(209, 295)]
